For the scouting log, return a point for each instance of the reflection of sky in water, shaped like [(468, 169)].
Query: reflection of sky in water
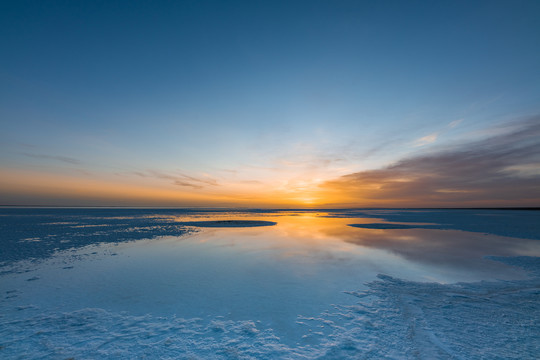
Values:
[(299, 267)]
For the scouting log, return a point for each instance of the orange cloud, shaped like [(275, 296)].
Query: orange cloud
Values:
[(428, 139), (500, 171), (483, 173)]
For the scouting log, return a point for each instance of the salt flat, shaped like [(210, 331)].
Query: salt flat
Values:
[(125, 283)]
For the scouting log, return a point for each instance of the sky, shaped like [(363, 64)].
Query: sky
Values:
[(270, 103)]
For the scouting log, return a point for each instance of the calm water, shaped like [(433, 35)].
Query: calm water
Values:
[(271, 275)]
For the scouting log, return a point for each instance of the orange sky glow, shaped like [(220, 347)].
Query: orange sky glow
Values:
[(270, 104)]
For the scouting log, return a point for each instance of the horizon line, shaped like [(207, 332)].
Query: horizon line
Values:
[(270, 208)]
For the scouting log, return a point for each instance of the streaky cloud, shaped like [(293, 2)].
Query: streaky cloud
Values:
[(187, 184), (455, 123), (65, 159), (184, 180), (428, 139), (486, 172)]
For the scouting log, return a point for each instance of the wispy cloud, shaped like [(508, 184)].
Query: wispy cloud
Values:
[(179, 179), (431, 138), (428, 139), (65, 159), (455, 123), (188, 184), (488, 171)]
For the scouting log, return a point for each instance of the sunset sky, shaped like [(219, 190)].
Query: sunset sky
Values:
[(270, 103)]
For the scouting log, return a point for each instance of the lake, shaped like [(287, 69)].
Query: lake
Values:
[(217, 283)]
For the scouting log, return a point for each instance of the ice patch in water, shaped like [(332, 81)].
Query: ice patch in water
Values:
[(229, 223), (393, 319)]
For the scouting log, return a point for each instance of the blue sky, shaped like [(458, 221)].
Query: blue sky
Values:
[(225, 100)]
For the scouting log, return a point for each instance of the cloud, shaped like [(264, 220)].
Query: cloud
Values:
[(187, 184), (431, 138), (65, 159), (182, 179), (428, 139), (486, 172), (455, 123)]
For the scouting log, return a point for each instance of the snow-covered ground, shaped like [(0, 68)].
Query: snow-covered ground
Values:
[(113, 283)]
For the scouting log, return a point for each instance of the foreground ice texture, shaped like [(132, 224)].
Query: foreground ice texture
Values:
[(394, 319), (391, 318)]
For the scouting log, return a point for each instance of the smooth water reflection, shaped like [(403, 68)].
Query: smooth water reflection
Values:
[(301, 266)]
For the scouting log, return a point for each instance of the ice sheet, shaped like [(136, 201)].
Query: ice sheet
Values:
[(305, 288)]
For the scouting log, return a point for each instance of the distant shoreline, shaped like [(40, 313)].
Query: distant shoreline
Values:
[(258, 209)]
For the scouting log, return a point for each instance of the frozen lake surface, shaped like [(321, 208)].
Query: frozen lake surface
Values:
[(217, 284)]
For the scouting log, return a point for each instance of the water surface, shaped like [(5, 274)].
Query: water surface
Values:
[(274, 276)]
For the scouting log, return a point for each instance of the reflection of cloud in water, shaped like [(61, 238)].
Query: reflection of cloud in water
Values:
[(322, 237), (441, 247), (509, 223)]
